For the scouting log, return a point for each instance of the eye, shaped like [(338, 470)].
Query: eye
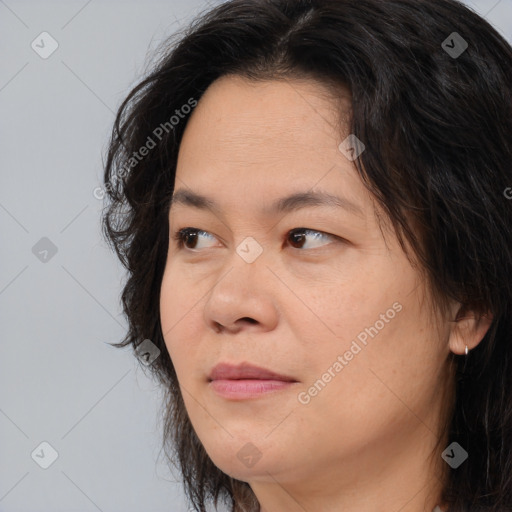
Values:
[(299, 236), (187, 238)]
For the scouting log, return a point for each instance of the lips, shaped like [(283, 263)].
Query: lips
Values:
[(224, 371)]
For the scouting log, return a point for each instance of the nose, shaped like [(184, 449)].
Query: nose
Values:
[(243, 298)]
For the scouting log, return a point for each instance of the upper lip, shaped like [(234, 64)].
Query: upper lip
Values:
[(226, 371)]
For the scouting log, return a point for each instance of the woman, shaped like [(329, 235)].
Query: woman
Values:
[(310, 199)]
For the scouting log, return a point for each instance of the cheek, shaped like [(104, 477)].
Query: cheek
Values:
[(379, 389), (374, 322), (359, 308), (181, 314)]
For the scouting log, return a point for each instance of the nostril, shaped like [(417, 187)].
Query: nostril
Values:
[(249, 319)]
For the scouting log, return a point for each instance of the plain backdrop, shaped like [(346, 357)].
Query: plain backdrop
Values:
[(60, 383)]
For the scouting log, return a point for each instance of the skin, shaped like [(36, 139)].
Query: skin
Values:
[(363, 442)]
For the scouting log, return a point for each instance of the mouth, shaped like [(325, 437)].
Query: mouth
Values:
[(245, 381)]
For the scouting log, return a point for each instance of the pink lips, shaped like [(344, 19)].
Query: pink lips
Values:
[(246, 381)]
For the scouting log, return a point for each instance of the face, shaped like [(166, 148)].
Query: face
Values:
[(315, 292)]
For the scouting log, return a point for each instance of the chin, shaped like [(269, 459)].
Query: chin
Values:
[(243, 459)]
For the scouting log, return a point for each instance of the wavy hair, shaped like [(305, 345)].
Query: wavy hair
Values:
[(437, 128)]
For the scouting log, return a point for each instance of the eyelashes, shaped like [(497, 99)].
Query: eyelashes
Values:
[(189, 235), (181, 236)]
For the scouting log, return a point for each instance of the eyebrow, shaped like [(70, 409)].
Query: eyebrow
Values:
[(286, 204)]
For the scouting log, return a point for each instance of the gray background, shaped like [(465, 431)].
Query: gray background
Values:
[(59, 380)]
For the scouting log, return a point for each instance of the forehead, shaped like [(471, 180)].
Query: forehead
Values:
[(254, 120), (269, 130)]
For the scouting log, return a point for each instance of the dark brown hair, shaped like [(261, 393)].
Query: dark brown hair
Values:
[(437, 129)]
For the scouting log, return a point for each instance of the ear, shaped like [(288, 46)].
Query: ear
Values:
[(468, 328)]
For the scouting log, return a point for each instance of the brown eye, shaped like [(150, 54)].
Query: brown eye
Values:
[(299, 236), (188, 237)]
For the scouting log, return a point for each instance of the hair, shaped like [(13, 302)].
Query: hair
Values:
[(437, 130)]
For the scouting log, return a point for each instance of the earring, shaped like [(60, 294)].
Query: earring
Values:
[(466, 350)]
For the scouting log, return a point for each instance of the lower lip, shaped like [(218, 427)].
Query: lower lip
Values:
[(247, 388)]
